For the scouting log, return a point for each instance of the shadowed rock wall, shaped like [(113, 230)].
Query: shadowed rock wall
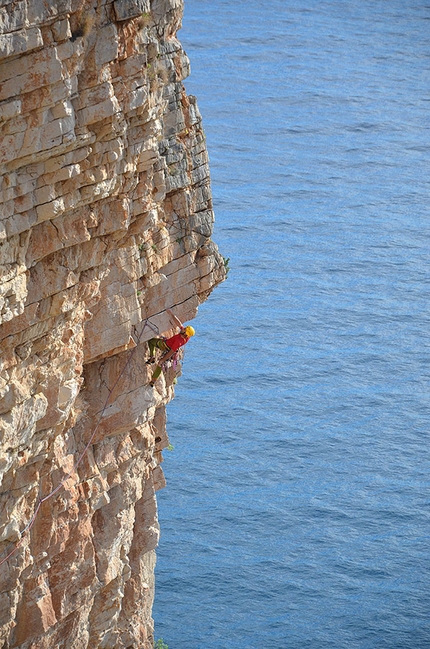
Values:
[(106, 218)]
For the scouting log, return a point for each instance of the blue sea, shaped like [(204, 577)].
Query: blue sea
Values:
[(296, 513)]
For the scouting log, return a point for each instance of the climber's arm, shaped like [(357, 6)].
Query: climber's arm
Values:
[(174, 319)]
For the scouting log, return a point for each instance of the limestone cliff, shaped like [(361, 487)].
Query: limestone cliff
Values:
[(106, 218)]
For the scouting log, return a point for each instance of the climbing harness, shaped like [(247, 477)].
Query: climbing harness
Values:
[(30, 524)]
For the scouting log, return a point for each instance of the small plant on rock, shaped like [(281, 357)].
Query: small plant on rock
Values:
[(144, 20), (160, 644), (226, 265), (84, 23)]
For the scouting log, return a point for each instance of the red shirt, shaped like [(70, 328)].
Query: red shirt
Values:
[(177, 341)]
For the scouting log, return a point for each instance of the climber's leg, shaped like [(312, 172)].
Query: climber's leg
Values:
[(153, 344), (155, 375)]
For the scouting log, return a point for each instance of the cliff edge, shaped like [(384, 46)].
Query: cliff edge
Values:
[(106, 219)]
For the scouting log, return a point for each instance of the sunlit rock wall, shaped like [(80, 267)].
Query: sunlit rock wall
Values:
[(106, 218)]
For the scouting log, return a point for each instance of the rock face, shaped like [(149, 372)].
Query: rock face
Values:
[(106, 218)]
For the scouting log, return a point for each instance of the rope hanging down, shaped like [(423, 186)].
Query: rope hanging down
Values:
[(82, 455)]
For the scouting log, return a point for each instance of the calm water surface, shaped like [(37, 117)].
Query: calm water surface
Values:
[(297, 508)]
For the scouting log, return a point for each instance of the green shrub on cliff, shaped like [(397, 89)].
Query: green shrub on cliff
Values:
[(160, 644), (226, 265)]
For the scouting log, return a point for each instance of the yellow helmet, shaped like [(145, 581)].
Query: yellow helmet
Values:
[(189, 331)]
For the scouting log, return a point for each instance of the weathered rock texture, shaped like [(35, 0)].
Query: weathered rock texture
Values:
[(106, 219)]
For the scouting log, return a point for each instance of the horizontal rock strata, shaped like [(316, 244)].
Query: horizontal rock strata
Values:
[(106, 218)]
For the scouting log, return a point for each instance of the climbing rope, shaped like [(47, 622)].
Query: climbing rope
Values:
[(40, 501)]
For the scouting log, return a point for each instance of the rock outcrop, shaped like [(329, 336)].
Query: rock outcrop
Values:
[(106, 218)]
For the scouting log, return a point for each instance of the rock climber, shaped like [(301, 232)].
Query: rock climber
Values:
[(168, 345)]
